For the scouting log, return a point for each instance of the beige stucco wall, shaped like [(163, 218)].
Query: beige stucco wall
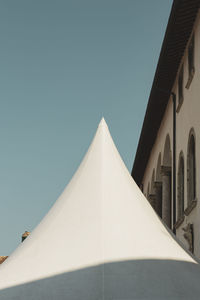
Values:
[(186, 118)]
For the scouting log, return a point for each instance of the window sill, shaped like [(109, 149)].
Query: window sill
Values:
[(179, 222), (191, 75), (180, 102), (190, 207)]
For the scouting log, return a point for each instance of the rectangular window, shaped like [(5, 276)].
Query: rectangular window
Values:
[(191, 68)]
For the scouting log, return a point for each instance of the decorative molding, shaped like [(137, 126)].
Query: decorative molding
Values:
[(190, 207), (191, 75), (189, 235), (179, 222)]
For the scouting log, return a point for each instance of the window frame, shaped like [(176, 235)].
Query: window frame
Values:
[(180, 87), (191, 67), (191, 174)]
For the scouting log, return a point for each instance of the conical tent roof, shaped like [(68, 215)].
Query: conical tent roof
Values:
[(101, 240)]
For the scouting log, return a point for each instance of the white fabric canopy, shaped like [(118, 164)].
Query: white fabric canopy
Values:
[(101, 240)]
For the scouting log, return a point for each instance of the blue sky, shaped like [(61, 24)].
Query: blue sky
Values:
[(63, 65)]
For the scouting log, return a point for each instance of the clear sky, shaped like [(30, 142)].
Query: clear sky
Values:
[(63, 65)]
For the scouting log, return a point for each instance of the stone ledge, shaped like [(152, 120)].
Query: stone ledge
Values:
[(191, 75), (190, 207), (180, 102), (179, 222)]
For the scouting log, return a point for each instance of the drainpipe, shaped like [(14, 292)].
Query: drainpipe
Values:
[(174, 161)]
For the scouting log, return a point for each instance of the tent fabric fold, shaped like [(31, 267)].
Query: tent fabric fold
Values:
[(101, 240)]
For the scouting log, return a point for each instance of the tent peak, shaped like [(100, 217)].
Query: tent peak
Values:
[(103, 123)]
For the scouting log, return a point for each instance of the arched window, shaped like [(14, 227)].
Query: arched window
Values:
[(167, 157), (191, 168), (180, 208), (158, 187), (167, 184)]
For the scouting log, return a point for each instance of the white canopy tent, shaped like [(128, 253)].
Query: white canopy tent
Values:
[(101, 240)]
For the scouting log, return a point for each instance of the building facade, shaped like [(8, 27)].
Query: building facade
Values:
[(167, 162)]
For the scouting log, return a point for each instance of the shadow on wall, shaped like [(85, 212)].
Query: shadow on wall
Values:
[(135, 279)]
